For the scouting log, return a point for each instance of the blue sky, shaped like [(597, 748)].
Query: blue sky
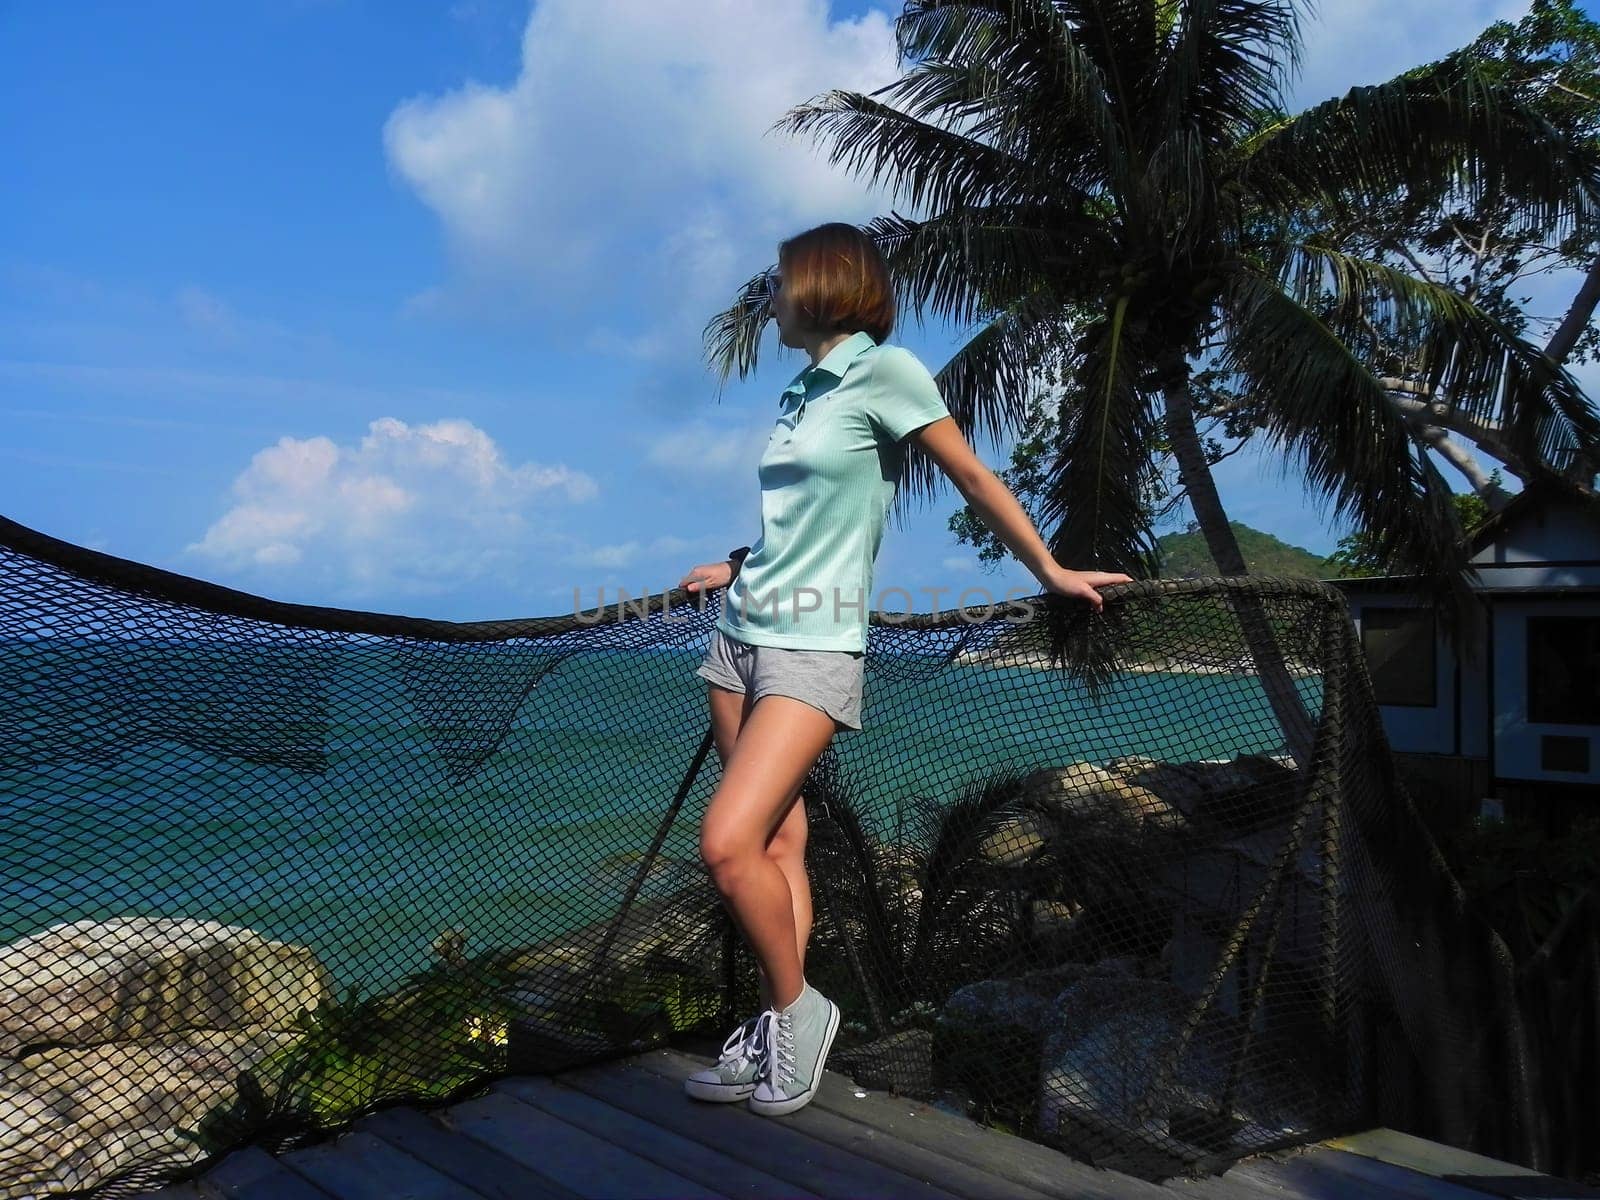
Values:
[(397, 307)]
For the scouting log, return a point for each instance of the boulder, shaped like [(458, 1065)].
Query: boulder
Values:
[(899, 1062), (1083, 788), (1248, 792), (88, 982), (70, 1117), (35, 1142), (1108, 1059), (1016, 840)]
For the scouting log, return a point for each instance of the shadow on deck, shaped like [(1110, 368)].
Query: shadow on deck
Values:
[(627, 1129)]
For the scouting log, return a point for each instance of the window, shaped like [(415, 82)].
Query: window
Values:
[(1399, 645), (1564, 670)]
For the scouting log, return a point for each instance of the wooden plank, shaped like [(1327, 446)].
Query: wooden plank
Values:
[(765, 1142), (1240, 1182), (1321, 1172), (189, 1190), (1026, 1163), (1460, 1167), (855, 1137), (1527, 1187), (487, 1172), (359, 1166), (573, 1157), (1419, 1154), (250, 1173), (1226, 1188), (685, 1156)]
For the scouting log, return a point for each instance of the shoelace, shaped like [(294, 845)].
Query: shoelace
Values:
[(743, 1042), (780, 1064)]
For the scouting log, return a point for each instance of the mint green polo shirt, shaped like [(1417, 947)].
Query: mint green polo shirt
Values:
[(828, 477)]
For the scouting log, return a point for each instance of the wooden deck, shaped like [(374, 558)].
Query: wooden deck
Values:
[(627, 1129)]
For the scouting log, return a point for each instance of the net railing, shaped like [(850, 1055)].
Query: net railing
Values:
[(1138, 884)]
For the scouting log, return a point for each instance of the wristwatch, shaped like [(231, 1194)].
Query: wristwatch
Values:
[(737, 557)]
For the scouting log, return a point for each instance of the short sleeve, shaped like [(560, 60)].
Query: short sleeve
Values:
[(903, 397)]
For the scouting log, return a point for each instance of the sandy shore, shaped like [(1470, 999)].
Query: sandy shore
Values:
[(1041, 662)]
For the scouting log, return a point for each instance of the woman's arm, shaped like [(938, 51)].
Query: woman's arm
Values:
[(941, 440), (707, 576)]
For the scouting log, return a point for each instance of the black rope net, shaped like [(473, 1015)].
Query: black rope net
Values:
[(1137, 884)]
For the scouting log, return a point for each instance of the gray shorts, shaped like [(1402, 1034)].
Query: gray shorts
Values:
[(829, 680)]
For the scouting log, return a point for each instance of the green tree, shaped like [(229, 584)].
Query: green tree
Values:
[(1111, 185), (1487, 247)]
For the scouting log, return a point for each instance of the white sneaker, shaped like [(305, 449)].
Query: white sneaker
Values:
[(738, 1068), (796, 1041)]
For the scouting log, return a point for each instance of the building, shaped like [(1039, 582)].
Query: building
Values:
[(1513, 713)]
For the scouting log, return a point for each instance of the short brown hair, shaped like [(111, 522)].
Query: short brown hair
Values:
[(837, 278)]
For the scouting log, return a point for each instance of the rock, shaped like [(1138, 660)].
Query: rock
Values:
[(989, 1035), (1052, 918), (1248, 792), (165, 1081), (34, 1141), (1026, 1001), (1014, 841), (89, 982), (1083, 788), (681, 928), (1111, 1039), (558, 983), (900, 1063), (1130, 764), (71, 1117), (1114, 1038)]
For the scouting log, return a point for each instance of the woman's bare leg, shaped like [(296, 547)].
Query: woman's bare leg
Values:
[(788, 846), (777, 744)]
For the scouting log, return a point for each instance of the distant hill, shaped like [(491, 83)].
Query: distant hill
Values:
[(1184, 555)]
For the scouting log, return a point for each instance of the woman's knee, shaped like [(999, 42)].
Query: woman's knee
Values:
[(723, 848)]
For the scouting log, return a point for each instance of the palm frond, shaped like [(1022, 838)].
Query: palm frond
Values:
[(732, 337), (1035, 45), (966, 266), (1327, 409), (1124, 40), (1446, 131), (1229, 62), (928, 164), (957, 830), (971, 264), (1178, 195), (976, 99)]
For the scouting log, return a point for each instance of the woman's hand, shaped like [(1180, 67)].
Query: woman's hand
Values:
[(1082, 584), (707, 576)]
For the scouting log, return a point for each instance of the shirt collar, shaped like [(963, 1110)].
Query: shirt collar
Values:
[(833, 362)]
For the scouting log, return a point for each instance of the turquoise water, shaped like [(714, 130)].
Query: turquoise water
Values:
[(345, 830)]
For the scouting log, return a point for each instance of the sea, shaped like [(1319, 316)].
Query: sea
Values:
[(360, 796)]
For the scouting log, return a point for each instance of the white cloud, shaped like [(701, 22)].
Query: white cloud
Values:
[(415, 508), (630, 164)]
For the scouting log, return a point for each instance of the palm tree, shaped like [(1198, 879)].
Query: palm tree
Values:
[(1115, 182)]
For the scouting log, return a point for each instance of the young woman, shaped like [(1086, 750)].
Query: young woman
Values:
[(784, 671)]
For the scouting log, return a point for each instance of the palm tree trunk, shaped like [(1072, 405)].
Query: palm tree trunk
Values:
[(1285, 699)]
